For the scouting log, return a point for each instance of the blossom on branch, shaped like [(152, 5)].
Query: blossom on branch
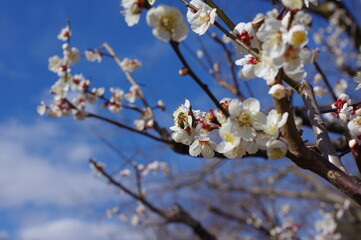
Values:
[(130, 65), (168, 23), (65, 33), (244, 32), (132, 10), (201, 19)]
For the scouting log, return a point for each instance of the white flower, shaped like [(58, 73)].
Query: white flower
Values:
[(276, 149), (168, 23), (342, 106), (274, 45), (237, 151), (244, 32), (271, 128), (278, 91), (354, 125), (65, 33), (293, 63), (55, 63), (93, 55), (71, 55), (125, 173), (202, 145), (145, 121), (130, 65), (297, 36), (132, 10), (203, 18), (55, 111), (245, 118), (248, 63), (115, 102), (266, 69), (262, 68), (293, 4), (183, 124), (41, 109), (133, 94), (59, 89)]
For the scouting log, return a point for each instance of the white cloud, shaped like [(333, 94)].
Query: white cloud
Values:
[(29, 172), (3, 235), (74, 229)]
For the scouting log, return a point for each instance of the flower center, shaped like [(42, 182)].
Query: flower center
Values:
[(245, 37), (275, 38), (252, 60), (167, 22), (205, 18), (243, 119), (298, 38), (181, 120)]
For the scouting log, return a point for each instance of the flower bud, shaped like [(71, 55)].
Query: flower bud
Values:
[(183, 71)]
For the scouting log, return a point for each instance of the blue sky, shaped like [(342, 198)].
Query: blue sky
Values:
[(46, 188)]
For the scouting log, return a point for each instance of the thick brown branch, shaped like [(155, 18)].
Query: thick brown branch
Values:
[(323, 139)]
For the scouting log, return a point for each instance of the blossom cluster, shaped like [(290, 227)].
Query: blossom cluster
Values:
[(246, 130), (78, 87), (350, 115), (283, 44)]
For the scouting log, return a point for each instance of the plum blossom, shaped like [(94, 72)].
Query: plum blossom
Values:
[(55, 64), (71, 55), (262, 68), (245, 118), (244, 32), (130, 65), (134, 93), (293, 4), (168, 23), (238, 151), (342, 106), (125, 173), (354, 125), (294, 63), (93, 55), (145, 121), (271, 128), (326, 227), (116, 101), (184, 131), (297, 36), (161, 105), (65, 33), (132, 10), (203, 18), (202, 145), (41, 109), (278, 91), (271, 33), (276, 149)]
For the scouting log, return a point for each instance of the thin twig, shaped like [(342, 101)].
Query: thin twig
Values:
[(205, 88)]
